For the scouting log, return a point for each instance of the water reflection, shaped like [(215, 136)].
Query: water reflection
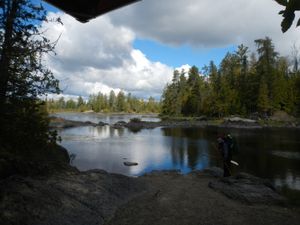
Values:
[(106, 148), (97, 134), (191, 149), (185, 149), (267, 153)]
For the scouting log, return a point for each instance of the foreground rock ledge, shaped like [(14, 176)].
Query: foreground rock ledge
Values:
[(161, 197)]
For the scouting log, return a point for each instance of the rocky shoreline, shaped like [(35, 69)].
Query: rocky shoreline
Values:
[(60, 123), (135, 125), (161, 197)]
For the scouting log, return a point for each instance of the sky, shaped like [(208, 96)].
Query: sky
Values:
[(136, 49)]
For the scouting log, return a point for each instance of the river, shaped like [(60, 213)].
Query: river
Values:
[(267, 153)]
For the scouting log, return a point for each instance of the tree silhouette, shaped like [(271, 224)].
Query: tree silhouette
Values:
[(23, 79), (289, 13)]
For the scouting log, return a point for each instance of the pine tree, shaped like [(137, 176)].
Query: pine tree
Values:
[(297, 92), (23, 77), (263, 102), (112, 101), (120, 102), (192, 105), (171, 102), (71, 104), (266, 62), (239, 86), (279, 88), (80, 104), (243, 67), (151, 105)]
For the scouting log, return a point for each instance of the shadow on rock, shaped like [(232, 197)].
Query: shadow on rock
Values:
[(248, 189)]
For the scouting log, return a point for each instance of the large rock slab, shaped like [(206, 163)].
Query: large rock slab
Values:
[(71, 199), (161, 197), (247, 188)]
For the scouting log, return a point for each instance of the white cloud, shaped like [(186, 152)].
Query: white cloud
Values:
[(98, 56), (185, 68), (207, 23)]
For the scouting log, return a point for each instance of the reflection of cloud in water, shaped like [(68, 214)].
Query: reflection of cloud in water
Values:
[(90, 133), (106, 118), (106, 148), (287, 155), (147, 156)]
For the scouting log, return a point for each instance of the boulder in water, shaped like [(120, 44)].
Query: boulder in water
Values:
[(102, 124), (131, 163)]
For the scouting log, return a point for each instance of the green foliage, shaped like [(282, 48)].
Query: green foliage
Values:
[(263, 102), (106, 104), (241, 85), (121, 105), (297, 92), (24, 131), (22, 48), (112, 101), (135, 120)]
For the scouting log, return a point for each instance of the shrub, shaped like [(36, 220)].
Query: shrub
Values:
[(135, 120)]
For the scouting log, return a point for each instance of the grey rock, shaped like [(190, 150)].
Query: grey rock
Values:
[(131, 163), (119, 124), (70, 198), (102, 124), (160, 197), (214, 171), (160, 173), (60, 123), (247, 188)]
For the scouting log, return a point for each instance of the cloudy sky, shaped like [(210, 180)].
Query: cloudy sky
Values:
[(136, 48)]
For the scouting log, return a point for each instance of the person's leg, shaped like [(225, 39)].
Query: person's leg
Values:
[(226, 169)]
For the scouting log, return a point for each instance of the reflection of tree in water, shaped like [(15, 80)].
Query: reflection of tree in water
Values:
[(188, 148), (256, 153), (178, 151), (120, 132), (135, 130), (100, 130), (192, 154)]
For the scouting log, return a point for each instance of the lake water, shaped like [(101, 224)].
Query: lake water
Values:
[(267, 153)]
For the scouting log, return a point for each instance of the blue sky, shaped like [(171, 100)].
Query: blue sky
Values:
[(176, 56), (136, 49)]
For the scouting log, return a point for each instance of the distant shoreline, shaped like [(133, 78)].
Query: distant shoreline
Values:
[(102, 113), (234, 122)]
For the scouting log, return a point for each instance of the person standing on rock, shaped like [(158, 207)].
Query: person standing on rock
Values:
[(224, 145)]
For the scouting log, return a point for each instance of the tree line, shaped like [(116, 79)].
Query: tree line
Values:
[(106, 103), (243, 84)]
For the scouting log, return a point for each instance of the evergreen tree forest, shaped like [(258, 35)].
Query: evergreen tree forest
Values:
[(112, 103), (243, 84)]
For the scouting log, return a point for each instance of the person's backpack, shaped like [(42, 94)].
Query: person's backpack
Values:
[(231, 144)]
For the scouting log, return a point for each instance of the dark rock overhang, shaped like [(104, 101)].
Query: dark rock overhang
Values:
[(85, 10)]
